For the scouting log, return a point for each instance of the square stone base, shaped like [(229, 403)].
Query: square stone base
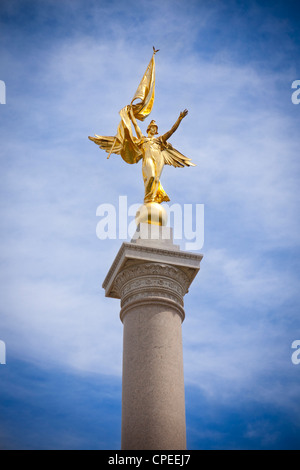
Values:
[(151, 243)]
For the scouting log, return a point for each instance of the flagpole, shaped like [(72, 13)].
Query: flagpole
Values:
[(113, 145)]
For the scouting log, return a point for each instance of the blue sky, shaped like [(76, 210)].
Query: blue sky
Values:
[(69, 67)]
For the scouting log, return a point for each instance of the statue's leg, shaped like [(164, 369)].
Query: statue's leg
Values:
[(156, 184), (148, 169)]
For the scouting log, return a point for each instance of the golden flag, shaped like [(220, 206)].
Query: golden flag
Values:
[(145, 93)]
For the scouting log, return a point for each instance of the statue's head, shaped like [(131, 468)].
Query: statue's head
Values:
[(152, 128)]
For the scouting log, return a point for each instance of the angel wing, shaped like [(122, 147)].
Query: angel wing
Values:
[(107, 143), (175, 158), (128, 150)]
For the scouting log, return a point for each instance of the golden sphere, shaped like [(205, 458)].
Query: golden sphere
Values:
[(151, 213)]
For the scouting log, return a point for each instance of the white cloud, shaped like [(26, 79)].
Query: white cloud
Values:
[(55, 323)]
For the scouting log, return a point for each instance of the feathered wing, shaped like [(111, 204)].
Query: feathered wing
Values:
[(128, 148), (175, 158), (107, 143)]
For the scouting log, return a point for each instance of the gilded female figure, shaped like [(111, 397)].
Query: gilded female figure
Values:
[(153, 157)]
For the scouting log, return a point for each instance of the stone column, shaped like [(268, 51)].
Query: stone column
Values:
[(151, 277)]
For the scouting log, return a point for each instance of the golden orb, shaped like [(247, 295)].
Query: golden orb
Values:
[(151, 213)]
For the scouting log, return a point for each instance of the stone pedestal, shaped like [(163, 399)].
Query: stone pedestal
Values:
[(151, 275)]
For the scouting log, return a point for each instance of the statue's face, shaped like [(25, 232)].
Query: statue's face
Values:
[(152, 130)]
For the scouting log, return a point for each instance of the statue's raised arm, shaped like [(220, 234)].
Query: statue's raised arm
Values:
[(174, 128), (135, 124)]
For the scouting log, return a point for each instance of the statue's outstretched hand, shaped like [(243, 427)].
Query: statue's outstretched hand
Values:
[(183, 114)]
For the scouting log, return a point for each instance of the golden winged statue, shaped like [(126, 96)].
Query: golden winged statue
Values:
[(154, 151)]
